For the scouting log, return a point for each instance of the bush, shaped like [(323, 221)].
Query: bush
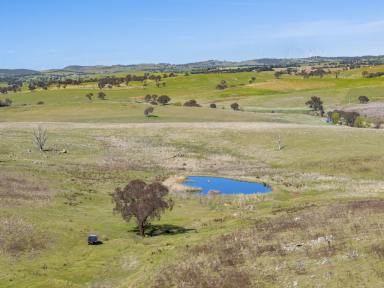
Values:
[(335, 117), (191, 103), (213, 105), (40, 103), (361, 122)]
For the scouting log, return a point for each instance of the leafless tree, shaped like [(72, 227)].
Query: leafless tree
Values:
[(279, 143), (40, 137)]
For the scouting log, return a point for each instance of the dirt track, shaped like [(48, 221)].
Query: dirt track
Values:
[(194, 125)]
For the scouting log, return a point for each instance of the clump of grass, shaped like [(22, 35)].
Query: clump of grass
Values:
[(17, 236)]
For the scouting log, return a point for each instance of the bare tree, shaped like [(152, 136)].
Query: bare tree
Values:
[(40, 137), (141, 201), (279, 143)]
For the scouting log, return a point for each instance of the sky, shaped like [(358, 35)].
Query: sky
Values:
[(42, 34)]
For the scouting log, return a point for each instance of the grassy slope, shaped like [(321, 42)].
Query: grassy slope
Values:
[(318, 165), (266, 94)]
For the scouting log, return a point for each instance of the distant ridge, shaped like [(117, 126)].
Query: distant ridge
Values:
[(201, 65), (214, 64), (17, 72)]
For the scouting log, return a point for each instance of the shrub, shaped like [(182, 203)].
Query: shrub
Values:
[(335, 117), (40, 103), (360, 122), (191, 103), (213, 105)]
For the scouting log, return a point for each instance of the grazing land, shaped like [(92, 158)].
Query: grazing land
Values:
[(322, 224)]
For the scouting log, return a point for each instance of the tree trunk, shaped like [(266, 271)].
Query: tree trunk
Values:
[(142, 229)]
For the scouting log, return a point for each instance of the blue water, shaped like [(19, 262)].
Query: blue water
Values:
[(226, 186)]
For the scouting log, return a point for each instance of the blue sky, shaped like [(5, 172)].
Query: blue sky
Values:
[(42, 34)]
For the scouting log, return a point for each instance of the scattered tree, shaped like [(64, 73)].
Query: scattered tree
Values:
[(148, 111), (222, 85), (141, 201), (315, 104), (192, 103), (212, 105), (363, 99), (40, 137), (278, 74), (89, 96), (101, 95), (235, 106), (6, 102), (163, 99)]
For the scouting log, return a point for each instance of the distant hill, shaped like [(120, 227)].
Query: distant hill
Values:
[(217, 64), (17, 72), (201, 66)]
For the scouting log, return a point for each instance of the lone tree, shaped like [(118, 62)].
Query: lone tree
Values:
[(163, 99), (235, 106), (40, 137), (101, 95), (148, 111), (363, 99), (315, 104), (144, 202)]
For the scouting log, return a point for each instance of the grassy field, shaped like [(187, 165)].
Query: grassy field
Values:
[(321, 226)]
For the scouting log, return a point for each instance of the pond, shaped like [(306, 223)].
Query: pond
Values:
[(225, 186)]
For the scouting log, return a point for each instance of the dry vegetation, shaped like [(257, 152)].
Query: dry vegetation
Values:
[(18, 236), (17, 189), (303, 247)]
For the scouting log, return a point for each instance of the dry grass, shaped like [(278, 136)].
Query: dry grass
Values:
[(18, 236), (295, 246), (17, 189)]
